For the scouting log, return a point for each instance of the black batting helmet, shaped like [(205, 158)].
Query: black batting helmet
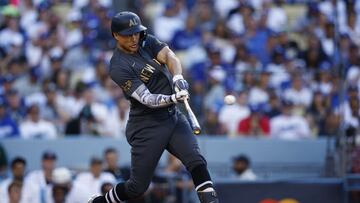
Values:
[(126, 23)]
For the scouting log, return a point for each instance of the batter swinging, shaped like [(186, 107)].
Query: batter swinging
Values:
[(150, 76)]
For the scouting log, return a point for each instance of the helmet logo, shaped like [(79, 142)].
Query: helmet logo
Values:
[(133, 22)]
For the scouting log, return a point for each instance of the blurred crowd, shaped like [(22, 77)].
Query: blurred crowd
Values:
[(53, 184), (292, 67)]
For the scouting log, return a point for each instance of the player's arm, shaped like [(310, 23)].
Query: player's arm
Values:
[(144, 96), (168, 57)]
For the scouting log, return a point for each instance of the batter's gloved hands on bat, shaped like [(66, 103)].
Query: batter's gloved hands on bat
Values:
[(180, 96), (180, 83)]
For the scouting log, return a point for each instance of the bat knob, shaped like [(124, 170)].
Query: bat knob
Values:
[(197, 131)]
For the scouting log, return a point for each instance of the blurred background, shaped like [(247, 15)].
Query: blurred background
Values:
[(274, 84)]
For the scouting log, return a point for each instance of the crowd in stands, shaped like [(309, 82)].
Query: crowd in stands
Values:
[(292, 67), (53, 184)]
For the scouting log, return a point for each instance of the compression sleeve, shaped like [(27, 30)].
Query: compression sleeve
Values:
[(144, 96)]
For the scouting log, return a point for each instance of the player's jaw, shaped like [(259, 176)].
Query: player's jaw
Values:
[(128, 43)]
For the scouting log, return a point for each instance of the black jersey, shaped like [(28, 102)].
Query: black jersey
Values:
[(130, 71)]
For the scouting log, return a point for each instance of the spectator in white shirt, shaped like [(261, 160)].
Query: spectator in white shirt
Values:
[(277, 18), (11, 34), (18, 165), (289, 126), (298, 94), (89, 183), (231, 114), (169, 22), (36, 127), (38, 184)]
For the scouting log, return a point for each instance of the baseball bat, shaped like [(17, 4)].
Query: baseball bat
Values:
[(193, 120)]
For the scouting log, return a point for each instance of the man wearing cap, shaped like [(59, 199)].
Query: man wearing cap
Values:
[(18, 165), (94, 178), (150, 75), (38, 184), (288, 125)]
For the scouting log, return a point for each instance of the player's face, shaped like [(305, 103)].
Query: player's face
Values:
[(128, 43)]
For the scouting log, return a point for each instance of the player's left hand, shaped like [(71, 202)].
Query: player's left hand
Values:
[(180, 83), (180, 96)]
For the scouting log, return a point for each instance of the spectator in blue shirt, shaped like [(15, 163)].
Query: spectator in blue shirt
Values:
[(189, 36), (8, 127)]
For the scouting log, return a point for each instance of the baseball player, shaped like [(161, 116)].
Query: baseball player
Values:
[(150, 76)]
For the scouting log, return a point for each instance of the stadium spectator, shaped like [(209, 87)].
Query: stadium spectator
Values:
[(17, 166), (38, 184), (298, 93), (277, 66), (16, 108), (256, 124), (318, 112), (242, 168), (62, 185), (231, 114), (28, 14), (277, 18), (74, 35), (170, 20), (180, 179), (8, 127), (259, 92), (188, 37), (322, 80), (211, 123), (27, 86), (11, 34), (314, 55), (273, 107), (112, 166), (94, 178), (117, 119), (236, 17), (331, 126), (91, 119), (51, 111), (353, 74), (289, 126), (78, 59), (214, 97), (14, 192), (34, 126)]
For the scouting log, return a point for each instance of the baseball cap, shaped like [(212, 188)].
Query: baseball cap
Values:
[(48, 154), (241, 157)]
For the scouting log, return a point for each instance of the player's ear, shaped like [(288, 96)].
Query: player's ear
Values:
[(115, 35)]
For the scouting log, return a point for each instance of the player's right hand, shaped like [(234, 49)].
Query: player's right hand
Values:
[(180, 96)]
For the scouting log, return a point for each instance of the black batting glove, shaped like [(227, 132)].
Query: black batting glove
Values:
[(180, 83)]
